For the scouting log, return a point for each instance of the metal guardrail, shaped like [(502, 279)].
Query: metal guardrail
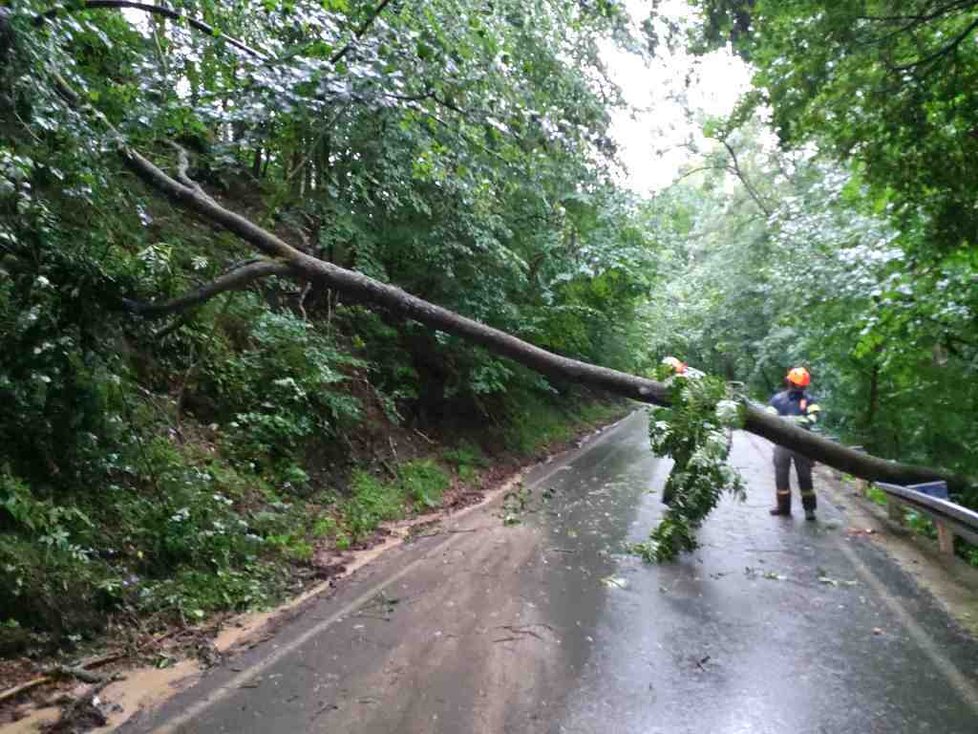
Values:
[(930, 498)]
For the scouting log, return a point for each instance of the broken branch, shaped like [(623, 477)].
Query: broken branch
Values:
[(234, 280)]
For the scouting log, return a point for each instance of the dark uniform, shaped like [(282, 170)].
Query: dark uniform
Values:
[(797, 405)]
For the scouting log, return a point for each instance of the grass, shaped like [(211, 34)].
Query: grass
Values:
[(541, 423), (915, 521), (419, 485), (465, 459)]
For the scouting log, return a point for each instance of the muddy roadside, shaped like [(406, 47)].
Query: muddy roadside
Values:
[(102, 691)]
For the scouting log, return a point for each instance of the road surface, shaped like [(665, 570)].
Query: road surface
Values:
[(544, 625)]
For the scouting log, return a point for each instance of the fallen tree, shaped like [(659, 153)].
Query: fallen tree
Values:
[(373, 293)]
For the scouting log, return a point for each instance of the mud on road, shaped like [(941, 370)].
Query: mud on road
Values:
[(526, 616)]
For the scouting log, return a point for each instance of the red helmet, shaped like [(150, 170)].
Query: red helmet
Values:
[(799, 377), (677, 365)]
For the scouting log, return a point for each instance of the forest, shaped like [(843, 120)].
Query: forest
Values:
[(211, 215)]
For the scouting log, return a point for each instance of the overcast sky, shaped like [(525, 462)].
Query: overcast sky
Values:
[(652, 131)]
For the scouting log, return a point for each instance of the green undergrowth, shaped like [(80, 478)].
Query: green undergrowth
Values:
[(545, 420), (183, 529)]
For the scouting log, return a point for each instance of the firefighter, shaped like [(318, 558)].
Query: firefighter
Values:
[(795, 404), (678, 367), (675, 365)]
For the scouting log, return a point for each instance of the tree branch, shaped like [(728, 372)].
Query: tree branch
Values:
[(738, 172), (157, 9), (234, 280), (358, 33), (943, 51)]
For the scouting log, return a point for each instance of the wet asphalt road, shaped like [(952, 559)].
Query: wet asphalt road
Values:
[(774, 625)]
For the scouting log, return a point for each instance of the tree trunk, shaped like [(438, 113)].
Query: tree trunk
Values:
[(377, 294)]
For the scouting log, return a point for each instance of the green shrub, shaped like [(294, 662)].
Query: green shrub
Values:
[(466, 459), (424, 482), (535, 424), (371, 503)]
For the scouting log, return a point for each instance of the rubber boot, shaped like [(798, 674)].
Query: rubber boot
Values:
[(784, 503), (809, 502)]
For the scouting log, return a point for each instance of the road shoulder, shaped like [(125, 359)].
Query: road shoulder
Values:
[(950, 580)]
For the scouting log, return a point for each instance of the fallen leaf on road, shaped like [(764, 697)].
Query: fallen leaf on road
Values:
[(615, 581), (860, 531)]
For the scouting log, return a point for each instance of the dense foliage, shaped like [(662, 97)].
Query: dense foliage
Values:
[(819, 277), (461, 151), (172, 466), (859, 255)]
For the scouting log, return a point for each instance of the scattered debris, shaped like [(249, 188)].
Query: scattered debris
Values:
[(751, 573), (877, 631), (829, 581), (82, 671), (701, 662), (87, 711), (515, 504), (616, 582), (76, 671), (323, 709), (379, 607)]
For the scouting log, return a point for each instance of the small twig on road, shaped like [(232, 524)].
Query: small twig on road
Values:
[(323, 709), (523, 630)]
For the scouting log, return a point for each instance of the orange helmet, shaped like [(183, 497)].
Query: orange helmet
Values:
[(677, 365), (799, 377)]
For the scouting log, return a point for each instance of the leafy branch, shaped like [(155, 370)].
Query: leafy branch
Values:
[(693, 430)]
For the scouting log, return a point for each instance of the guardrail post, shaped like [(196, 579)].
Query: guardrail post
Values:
[(945, 538)]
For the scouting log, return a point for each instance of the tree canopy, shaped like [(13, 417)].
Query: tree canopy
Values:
[(400, 208)]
